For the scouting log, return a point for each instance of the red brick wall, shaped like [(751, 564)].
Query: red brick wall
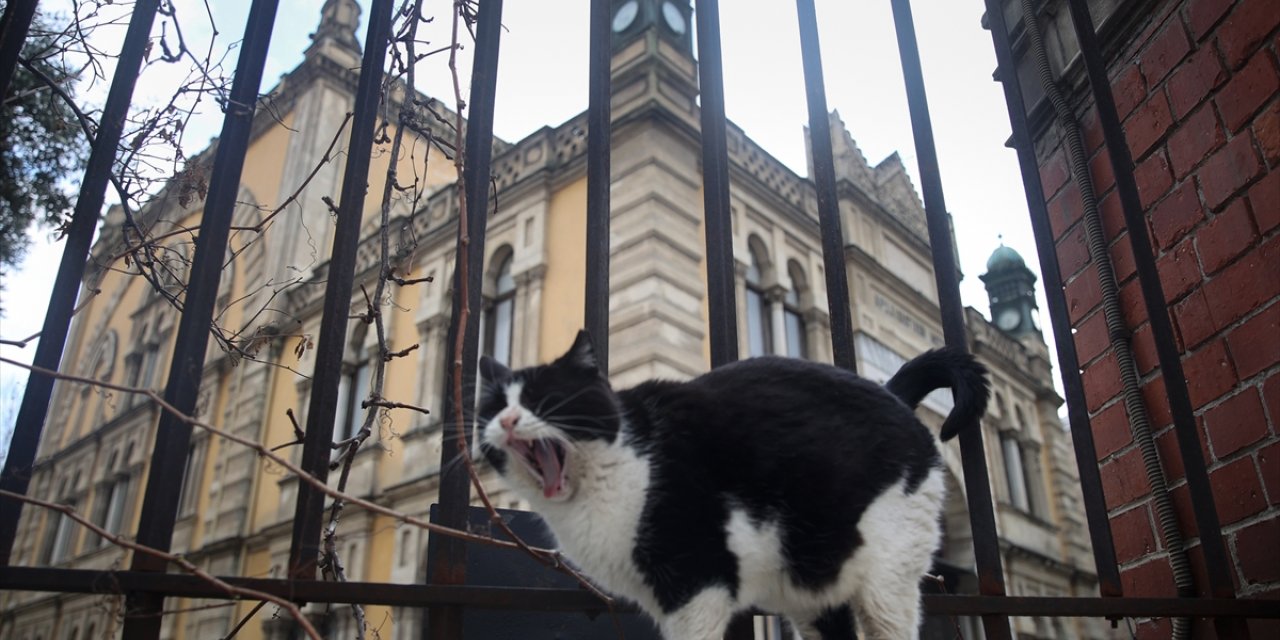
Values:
[(1198, 89)]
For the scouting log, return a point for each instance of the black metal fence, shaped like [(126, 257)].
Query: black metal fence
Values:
[(448, 592)]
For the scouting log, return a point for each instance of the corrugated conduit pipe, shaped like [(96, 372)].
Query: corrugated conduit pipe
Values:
[(1117, 330)]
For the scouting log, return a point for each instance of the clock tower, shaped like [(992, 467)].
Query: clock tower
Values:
[(653, 63), (656, 196), (1011, 290), (669, 19)]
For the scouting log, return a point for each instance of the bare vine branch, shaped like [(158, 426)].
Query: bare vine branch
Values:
[(183, 563)]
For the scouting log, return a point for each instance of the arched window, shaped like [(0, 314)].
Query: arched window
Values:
[(793, 317), (759, 330), (499, 312)]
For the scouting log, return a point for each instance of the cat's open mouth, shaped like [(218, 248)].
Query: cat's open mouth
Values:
[(546, 459)]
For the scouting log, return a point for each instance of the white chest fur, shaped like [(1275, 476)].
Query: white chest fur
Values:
[(597, 527)]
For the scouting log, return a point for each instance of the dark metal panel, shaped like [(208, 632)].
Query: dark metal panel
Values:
[(173, 435), (66, 286), (304, 550), (599, 139), (489, 566), (1217, 561), (14, 25), (448, 555), (824, 177), (722, 309), (1086, 456), (977, 486)]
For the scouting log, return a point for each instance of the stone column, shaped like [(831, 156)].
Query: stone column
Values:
[(320, 111), (777, 318), (527, 316), (431, 332), (817, 327), (740, 304)]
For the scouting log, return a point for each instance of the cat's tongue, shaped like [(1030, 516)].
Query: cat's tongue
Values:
[(549, 464)]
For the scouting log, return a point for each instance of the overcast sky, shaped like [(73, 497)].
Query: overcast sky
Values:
[(543, 81)]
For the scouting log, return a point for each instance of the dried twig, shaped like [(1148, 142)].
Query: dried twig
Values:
[(285, 463), (186, 565)]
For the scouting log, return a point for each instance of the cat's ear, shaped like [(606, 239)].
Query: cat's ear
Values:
[(493, 371), (582, 355)]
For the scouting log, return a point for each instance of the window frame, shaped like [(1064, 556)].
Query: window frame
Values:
[(793, 309), (758, 319)]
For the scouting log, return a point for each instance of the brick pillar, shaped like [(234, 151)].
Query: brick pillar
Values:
[(1197, 86)]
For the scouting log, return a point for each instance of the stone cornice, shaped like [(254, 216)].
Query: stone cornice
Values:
[(129, 415), (1014, 359)]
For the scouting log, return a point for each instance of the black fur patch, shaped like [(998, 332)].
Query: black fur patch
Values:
[(836, 624), (806, 445)]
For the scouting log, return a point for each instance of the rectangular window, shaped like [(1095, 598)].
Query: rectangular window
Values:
[(353, 389), (1035, 481), (116, 504), (1015, 480), (499, 338), (62, 537), (189, 495), (149, 365), (796, 342)]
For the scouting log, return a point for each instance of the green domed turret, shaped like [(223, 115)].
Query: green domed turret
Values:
[(1011, 290), (1003, 259)]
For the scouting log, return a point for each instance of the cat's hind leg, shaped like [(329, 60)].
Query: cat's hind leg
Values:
[(901, 531), (704, 617), (889, 614), (831, 624)]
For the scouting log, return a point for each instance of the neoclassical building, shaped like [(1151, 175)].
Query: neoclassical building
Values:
[(236, 510)]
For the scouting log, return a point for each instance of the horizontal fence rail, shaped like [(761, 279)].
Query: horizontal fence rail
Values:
[(581, 600)]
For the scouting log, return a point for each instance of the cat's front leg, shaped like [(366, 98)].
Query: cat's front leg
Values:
[(704, 617)]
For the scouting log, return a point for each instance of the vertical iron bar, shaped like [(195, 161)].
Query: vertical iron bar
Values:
[(599, 137), (84, 221), (1217, 561), (715, 189), (1095, 506), (824, 177), (977, 485), (448, 555), (304, 549), (173, 433), (721, 303), (14, 26)]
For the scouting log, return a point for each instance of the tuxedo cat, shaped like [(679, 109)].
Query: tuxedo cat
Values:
[(775, 483)]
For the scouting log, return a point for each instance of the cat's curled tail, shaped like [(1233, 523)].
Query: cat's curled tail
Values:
[(946, 367)]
